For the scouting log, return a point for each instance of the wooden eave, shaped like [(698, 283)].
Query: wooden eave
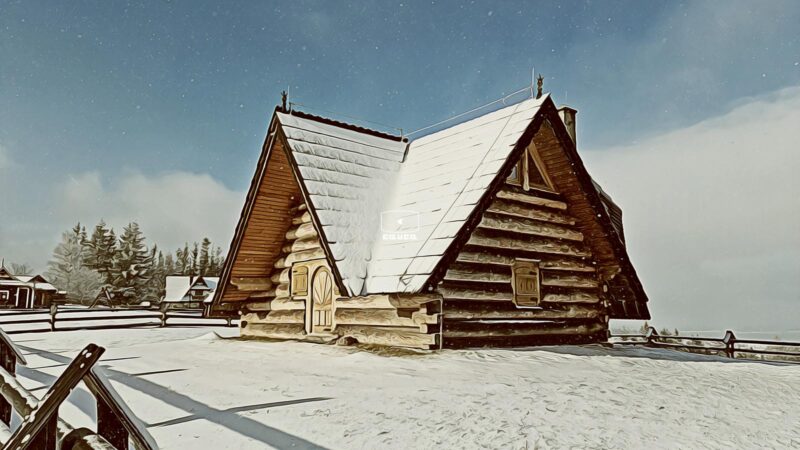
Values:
[(274, 135)]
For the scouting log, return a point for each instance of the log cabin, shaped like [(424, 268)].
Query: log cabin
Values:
[(26, 291), (488, 233)]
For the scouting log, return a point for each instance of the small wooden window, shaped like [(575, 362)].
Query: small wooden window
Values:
[(529, 172), (525, 282), (299, 280)]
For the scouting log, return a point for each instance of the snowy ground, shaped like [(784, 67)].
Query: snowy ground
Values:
[(196, 390)]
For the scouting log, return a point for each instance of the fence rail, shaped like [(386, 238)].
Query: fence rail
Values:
[(42, 429), (728, 345), (72, 318)]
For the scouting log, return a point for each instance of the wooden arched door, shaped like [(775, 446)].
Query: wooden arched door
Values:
[(321, 301)]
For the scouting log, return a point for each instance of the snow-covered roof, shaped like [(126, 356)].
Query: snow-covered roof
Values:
[(388, 221), (35, 281), (348, 177), (178, 286), (442, 180)]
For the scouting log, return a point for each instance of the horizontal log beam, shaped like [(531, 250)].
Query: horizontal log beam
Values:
[(513, 331), (381, 317), (529, 212), (300, 256), (532, 245), (531, 199), (273, 331), (386, 336), (252, 283), (293, 316), (490, 311), (301, 244), (303, 231), (305, 217), (282, 276), (387, 301), (460, 293), (495, 259), (529, 227)]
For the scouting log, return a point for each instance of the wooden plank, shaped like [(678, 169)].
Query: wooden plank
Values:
[(482, 239), (252, 283), (274, 331), (304, 231), (513, 330), (44, 418), (529, 212), (387, 336), (529, 227), (471, 310), (476, 294), (292, 316), (281, 276), (381, 317), (387, 301), (505, 260), (304, 217), (530, 199), (579, 297), (301, 244)]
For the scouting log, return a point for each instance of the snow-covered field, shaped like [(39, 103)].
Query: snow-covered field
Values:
[(197, 390)]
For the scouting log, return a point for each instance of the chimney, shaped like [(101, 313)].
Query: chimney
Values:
[(567, 115)]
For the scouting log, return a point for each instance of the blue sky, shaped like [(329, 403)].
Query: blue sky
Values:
[(110, 108)]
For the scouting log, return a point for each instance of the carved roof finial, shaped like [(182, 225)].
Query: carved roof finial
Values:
[(539, 84), (284, 98)]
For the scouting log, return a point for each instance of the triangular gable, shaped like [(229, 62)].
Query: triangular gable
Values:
[(585, 200)]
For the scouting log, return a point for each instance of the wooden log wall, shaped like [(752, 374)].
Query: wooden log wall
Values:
[(274, 313), (478, 306), (396, 320)]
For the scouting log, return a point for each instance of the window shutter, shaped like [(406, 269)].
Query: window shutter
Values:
[(299, 280), (525, 279)]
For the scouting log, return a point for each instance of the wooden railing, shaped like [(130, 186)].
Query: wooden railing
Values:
[(42, 429), (728, 345), (102, 318)]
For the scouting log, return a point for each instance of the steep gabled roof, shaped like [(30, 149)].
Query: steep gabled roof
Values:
[(440, 184), (430, 193)]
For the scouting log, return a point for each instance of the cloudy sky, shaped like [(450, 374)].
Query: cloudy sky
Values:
[(155, 112)]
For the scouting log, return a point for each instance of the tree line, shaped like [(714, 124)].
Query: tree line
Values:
[(83, 264)]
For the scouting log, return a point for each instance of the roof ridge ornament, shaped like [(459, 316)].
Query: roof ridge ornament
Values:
[(539, 84)]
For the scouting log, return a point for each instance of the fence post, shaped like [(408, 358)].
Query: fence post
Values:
[(164, 318), (110, 426), (53, 311), (9, 362), (651, 336), (730, 344)]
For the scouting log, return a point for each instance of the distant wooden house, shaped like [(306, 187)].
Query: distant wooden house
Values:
[(490, 232), (189, 292), (26, 291)]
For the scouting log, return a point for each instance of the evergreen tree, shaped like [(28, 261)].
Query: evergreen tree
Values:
[(183, 263), (101, 251), (194, 267), (68, 273), (215, 262), (202, 266), (21, 269), (169, 264), (132, 265), (157, 284)]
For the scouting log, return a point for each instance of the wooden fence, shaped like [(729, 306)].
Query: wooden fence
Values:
[(67, 318), (42, 429), (728, 345)]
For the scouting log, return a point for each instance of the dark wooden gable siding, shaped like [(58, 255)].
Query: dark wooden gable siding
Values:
[(598, 218), (264, 221), (479, 306)]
